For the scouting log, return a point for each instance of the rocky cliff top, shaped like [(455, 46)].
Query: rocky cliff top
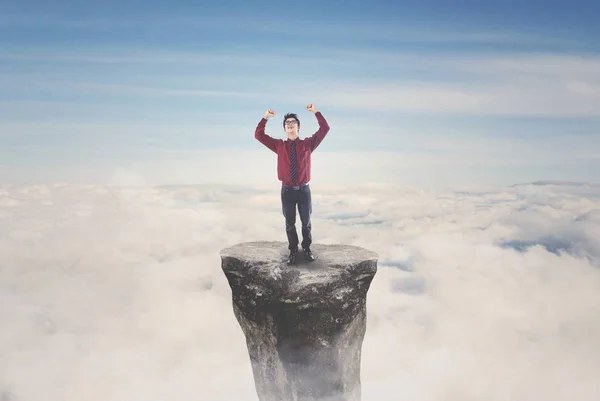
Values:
[(263, 264)]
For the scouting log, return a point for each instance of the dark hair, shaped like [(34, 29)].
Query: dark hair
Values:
[(291, 115)]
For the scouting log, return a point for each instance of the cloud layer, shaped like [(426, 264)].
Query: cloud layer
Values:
[(116, 293)]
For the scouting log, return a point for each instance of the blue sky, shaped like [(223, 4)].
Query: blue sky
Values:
[(421, 92)]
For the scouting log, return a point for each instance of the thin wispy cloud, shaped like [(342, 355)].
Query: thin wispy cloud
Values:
[(407, 31), (561, 99), (535, 85)]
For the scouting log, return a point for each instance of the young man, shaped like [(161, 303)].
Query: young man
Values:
[(293, 170)]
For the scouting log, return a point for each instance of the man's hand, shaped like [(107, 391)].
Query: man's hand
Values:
[(269, 113), (311, 107)]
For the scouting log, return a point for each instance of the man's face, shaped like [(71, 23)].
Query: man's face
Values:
[(291, 126)]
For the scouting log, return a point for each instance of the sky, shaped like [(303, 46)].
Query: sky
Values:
[(421, 93), (113, 293), (464, 149)]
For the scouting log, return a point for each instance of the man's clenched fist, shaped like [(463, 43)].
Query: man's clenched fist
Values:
[(311, 107), (269, 113)]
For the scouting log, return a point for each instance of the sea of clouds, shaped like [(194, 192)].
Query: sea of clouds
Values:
[(117, 294)]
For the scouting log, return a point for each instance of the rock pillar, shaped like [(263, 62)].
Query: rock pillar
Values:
[(304, 324)]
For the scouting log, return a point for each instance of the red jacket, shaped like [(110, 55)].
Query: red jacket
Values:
[(304, 148)]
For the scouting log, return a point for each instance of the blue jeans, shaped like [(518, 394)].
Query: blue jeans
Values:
[(292, 197)]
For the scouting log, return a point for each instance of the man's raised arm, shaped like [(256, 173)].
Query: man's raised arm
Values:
[(263, 138), (318, 136)]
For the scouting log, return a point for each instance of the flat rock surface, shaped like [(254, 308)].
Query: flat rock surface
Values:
[(271, 257), (266, 263)]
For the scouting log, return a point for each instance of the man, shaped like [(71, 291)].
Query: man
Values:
[(293, 170)]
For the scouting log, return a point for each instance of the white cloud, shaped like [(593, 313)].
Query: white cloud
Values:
[(116, 293)]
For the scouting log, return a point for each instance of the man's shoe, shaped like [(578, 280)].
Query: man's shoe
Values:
[(292, 257), (308, 254)]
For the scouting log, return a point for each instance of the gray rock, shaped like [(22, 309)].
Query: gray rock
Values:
[(304, 324)]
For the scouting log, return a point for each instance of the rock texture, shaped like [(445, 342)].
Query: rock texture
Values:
[(304, 324)]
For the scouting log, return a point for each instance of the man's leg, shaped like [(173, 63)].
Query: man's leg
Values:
[(305, 210), (288, 206)]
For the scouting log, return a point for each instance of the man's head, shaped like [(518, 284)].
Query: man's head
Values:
[(291, 125)]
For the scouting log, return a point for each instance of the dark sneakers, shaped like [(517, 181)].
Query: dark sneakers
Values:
[(292, 257), (294, 252)]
